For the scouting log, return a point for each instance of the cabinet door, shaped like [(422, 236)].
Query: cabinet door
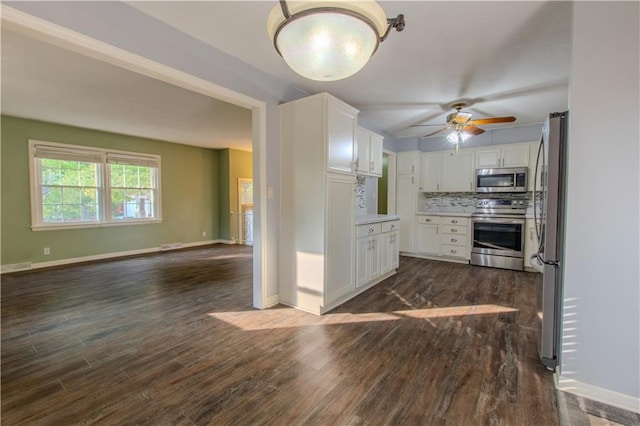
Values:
[(406, 208), (428, 241), (457, 172), (386, 251), (406, 163), (394, 251), (363, 151), (430, 172), (516, 155), (374, 260), (375, 151), (340, 237), (341, 128), (362, 261), (487, 158)]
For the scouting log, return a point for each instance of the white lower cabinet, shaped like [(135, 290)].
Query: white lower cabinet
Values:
[(428, 235), (389, 250), (377, 251), (444, 236)]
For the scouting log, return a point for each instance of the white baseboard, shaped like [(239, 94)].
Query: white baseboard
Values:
[(25, 266), (595, 393)]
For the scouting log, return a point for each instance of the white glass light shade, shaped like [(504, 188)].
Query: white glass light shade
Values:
[(327, 40), (326, 46), (457, 137)]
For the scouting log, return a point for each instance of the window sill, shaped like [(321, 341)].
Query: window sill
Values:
[(67, 226)]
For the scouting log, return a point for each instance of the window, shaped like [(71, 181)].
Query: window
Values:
[(79, 186)]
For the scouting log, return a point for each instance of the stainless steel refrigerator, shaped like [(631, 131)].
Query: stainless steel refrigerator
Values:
[(549, 208)]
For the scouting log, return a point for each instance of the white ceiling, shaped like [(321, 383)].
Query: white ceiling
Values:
[(505, 58)]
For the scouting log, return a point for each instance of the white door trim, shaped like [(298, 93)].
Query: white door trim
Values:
[(391, 181)]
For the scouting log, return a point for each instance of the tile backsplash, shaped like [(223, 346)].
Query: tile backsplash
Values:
[(464, 202)]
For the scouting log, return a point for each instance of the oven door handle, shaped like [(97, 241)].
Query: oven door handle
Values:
[(498, 220), (493, 246)]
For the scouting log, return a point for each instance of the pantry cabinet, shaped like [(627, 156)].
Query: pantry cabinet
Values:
[(406, 197), (368, 153), (317, 203)]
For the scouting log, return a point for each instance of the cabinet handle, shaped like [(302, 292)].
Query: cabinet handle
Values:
[(454, 221), (454, 230), (372, 165), (393, 226), (370, 230), (413, 169), (427, 220), (454, 240), (531, 234), (453, 251), (437, 187), (412, 181)]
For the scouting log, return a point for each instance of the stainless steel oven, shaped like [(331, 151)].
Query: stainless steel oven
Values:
[(498, 233)]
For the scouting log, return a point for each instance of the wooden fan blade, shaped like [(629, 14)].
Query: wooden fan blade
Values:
[(492, 120), (462, 117), (436, 132), (473, 130)]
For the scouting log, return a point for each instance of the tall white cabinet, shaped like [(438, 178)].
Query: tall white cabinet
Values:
[(317, 210), (406, 197)]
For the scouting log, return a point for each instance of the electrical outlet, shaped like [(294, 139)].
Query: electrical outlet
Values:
[(47, 251), (204, 233)]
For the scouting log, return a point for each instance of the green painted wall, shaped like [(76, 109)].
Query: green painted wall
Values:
[(383, 186), (189, 185)]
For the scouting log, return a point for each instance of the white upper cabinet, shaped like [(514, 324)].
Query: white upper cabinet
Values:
[(407, 163), (510, 155), (431, 171), (341, 135), (368, 153), (443, 171), (457, 172)]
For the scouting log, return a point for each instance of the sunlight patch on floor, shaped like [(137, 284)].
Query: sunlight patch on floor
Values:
[(290, 317)]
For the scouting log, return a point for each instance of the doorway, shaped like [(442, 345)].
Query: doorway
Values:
[(245, 211)]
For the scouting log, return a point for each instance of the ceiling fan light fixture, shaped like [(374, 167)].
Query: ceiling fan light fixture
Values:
[(457, 137), (329, 40)]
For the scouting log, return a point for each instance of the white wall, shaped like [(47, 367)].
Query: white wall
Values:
[(601, 340)]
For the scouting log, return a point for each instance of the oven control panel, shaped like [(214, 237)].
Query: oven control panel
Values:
[(501, 205)]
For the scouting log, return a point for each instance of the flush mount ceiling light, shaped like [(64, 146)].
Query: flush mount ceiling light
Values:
[(329, 40)]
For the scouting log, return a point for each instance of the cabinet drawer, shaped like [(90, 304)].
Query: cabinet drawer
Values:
[(366, 230), (453, 251), (458, 221), (433, 220), (454, 240), (392, 225), (453, 229)]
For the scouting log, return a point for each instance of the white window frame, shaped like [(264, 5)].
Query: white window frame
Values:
[(104, 189)]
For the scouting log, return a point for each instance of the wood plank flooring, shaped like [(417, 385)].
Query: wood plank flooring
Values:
[(172, 339)]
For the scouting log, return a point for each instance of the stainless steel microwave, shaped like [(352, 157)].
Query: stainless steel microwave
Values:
[(507, 179)]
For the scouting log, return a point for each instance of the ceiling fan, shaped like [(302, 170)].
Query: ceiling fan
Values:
[(460, 125)]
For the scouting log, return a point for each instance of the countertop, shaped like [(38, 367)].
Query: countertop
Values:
[(441, 213), (365, 219)]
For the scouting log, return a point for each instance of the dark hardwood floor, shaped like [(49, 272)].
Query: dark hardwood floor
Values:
[(171, 338)]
